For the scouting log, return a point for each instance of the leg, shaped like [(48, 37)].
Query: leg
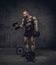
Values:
[(33, 44), (26, 46), (32, 49)]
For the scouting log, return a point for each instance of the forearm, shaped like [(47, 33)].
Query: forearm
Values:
[(21, 26), (36, 27), (17, 26)]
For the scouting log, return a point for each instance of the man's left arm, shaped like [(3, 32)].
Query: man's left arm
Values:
[(35, 24), (37, 33)]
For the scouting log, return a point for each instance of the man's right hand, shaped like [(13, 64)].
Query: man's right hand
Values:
[(17, 27), (15, 24), (36, 34)]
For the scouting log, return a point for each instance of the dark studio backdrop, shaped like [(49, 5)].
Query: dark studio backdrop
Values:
[(11, 12)]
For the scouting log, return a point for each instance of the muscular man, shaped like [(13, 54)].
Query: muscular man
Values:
[(31, 25)]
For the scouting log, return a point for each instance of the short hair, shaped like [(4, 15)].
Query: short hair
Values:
[(25, 11)]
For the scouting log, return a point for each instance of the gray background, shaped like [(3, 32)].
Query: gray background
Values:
[(11, 12)]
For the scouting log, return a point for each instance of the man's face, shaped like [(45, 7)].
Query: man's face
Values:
[(25, 14)]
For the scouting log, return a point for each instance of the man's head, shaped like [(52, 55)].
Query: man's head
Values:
[(25, 13)]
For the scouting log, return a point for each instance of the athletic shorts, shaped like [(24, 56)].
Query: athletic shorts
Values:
[(29, 34)]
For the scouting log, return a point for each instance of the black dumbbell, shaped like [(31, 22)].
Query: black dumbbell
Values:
[(14, 24)]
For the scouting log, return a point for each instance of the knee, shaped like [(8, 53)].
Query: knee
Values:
[(26, 45), (25, 41), (32, 40)]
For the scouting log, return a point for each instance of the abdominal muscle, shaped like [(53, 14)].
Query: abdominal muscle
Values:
[(28, 24)]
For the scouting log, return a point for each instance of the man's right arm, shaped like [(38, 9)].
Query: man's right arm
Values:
[(19, 26), (22, 24)]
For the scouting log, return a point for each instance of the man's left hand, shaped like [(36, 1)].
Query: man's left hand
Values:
[(36, 34)]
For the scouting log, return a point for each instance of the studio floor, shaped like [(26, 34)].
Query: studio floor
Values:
[(8, 56)]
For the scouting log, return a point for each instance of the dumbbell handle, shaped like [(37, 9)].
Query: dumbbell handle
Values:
[(15, 24)]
